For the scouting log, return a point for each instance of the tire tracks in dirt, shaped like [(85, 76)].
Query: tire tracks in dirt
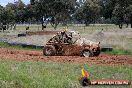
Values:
[(27, 55)]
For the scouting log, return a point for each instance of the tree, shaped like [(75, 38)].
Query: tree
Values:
[(121, 12), (30, 13), (6, 17), (129, 14), (20, 11), (42, 10), (117, 10), (88, 11), (108, 7), (60, 11), (118, 13), (57, 10)]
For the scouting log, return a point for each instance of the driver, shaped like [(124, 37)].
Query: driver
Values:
[(64, 37)]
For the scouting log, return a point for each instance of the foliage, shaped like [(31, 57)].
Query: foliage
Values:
[(6, 15), (108, 7), (62, 11), (57, 10), (89, 11)]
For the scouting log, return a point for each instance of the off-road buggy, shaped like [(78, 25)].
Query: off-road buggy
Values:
[(65, 43)]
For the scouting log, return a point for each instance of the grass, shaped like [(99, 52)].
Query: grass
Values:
[(119, 51), (19, 47), (81, 28), (29, 74), (77, 27)]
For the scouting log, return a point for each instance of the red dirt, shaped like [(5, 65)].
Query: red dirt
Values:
[(24, 55)]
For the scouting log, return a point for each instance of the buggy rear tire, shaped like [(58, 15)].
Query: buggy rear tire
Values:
[(87, 53), (49, 50)]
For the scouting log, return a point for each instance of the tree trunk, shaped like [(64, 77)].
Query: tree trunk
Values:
[(120, 26), (54, 25), (42, 25), (86, 23), (127, 25), (14, 28), (131, 24), (42, 22)]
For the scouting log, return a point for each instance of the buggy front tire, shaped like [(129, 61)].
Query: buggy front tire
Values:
[(87, 53), (97, 53)]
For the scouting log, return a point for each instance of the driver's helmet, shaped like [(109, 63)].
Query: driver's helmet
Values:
[(65, 29)]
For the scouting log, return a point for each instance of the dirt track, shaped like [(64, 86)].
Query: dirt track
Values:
[(24, 55)]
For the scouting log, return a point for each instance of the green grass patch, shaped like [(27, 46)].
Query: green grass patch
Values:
[(119, 51), (19, 47), (14, 74)]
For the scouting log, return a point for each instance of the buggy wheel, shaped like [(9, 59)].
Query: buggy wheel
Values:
[(49, 51), (87, 53), (97, 52)]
